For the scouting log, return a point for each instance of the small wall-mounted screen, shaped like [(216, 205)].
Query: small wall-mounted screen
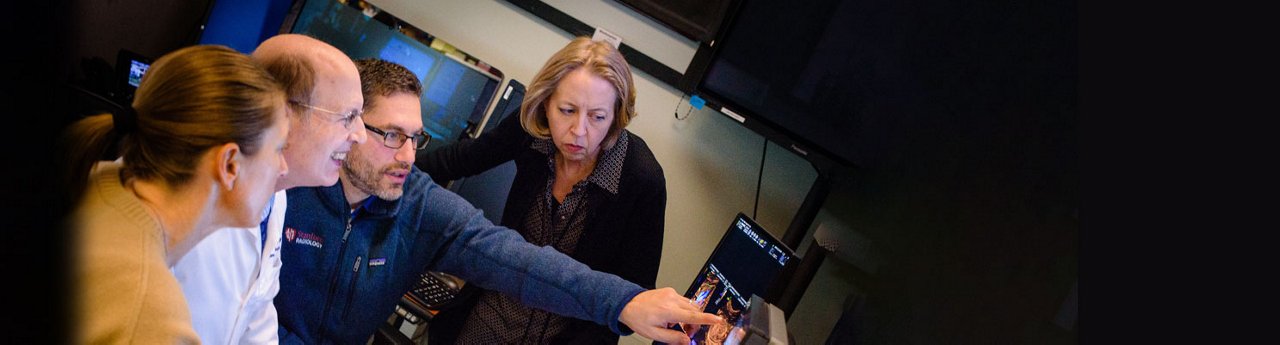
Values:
[(129, 69), (136, 70)]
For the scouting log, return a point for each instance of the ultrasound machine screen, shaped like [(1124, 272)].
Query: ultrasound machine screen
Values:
[(747, 261)]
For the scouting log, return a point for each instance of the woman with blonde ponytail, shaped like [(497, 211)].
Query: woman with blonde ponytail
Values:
[(200, 149)]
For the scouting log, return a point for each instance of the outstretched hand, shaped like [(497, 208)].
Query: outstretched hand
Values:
[(651, 311)]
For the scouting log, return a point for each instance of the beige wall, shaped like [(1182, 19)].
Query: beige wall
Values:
[(711, 162)]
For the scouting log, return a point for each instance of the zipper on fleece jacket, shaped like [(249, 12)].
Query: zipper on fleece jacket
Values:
[(333, 278), (351, 288)]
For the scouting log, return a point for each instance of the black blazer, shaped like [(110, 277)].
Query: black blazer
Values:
[(622, 235)]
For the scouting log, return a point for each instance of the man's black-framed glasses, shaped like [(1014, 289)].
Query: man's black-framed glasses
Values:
[(396, 140), (345, 118)]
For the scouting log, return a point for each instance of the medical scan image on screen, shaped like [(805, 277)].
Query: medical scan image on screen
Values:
[(715, 295), (454, 91), (746, 262)]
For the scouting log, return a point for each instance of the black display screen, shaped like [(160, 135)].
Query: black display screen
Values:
[(825, 75), (747, 261)]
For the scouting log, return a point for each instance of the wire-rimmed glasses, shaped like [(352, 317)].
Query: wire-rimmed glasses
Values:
[(345, 118)]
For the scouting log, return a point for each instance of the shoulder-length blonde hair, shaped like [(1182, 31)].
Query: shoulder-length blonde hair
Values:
[(599, 58)]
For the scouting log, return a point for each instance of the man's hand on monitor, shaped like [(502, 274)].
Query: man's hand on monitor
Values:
[(651, 311)]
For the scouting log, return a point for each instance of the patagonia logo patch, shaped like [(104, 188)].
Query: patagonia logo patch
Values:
[(377, 262), (304, 238)]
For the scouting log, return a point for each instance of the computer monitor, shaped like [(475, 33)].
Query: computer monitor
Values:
[(457, 89), (747, 261), (130, 67)]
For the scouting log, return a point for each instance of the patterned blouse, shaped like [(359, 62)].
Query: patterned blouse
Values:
[(500, 319)]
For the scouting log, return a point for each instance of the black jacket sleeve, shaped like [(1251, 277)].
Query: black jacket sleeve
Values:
[(470, 157), (642, 211), (645, 233)]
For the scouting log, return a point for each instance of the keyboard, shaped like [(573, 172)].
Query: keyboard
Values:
[(435, 290)]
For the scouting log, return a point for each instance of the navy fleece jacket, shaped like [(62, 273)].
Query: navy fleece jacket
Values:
[(345, 271)]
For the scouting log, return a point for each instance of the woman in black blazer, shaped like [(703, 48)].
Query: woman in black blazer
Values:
[(584, 185)]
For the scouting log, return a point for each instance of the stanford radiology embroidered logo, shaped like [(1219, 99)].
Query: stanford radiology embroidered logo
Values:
[(300, 237)]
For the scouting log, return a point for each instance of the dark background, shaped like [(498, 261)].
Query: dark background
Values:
[(961, 123), (34, 292), (48, 46)]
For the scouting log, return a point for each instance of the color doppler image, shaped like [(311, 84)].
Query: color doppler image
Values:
[(716, 296)]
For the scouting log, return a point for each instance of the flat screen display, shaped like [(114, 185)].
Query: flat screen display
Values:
[(130, 67), (456, 93), (828, 75), (747, 261)]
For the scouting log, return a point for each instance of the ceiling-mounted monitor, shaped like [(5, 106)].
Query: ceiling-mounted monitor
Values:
[(696, 20), (860, 81)]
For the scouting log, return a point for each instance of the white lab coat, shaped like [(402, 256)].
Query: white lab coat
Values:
[(230, 282)]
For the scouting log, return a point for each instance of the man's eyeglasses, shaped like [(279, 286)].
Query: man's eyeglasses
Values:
[(396, 140), (345, 118)]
